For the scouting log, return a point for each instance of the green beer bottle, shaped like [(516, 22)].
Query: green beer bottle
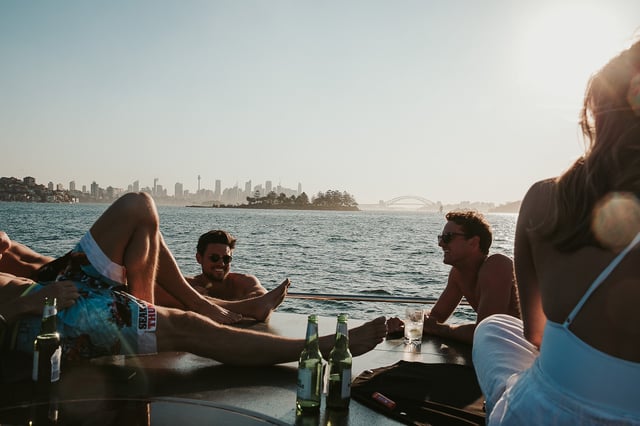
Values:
[(310, 371), (340, 360), (47, 350)]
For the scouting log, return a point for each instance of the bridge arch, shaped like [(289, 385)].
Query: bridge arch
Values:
[(411, 200)]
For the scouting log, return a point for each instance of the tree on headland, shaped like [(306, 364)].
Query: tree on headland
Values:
[(302, 199), (334, 198), (330, 200)]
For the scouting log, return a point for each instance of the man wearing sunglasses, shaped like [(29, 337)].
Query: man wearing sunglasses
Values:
[(214, 254), (486, 281)]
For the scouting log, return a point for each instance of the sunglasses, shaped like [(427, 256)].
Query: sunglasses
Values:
[(226, 259), (447, 237)]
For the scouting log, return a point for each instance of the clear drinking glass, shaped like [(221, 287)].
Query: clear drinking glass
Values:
[(413, 325)]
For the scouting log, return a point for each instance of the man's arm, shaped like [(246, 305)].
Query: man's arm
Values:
[(495, 282), (459, 332), (18, 259), (448, 300), (5, 242), (536, 205), (442, 310), (14, 306)]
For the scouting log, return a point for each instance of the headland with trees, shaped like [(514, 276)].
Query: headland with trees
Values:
[(329, 200)]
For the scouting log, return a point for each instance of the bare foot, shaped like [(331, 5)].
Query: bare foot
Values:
[(222, 315), (367, 336), (267, 303)]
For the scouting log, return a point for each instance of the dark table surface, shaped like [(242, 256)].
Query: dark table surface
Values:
[(199, 388)]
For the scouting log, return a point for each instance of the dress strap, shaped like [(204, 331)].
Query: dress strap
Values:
[(603, 275)]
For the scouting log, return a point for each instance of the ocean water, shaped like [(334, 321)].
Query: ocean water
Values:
[(366, 252)]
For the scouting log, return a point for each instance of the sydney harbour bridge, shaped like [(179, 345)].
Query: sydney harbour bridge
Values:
[(411, 201)]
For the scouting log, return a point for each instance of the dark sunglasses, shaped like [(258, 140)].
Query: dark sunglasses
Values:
[(226, 259), (447, 237)]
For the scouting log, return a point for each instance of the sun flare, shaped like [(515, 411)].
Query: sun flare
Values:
[(565, 43)]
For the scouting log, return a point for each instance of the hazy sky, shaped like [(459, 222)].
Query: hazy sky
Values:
[(450, 100)]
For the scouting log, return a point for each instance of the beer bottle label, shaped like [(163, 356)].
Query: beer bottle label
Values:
[(49, 311), (34, 370), (304, 383), (345, 392), (55, 364)]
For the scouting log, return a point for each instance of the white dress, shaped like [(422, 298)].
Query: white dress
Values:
[(567, 383)]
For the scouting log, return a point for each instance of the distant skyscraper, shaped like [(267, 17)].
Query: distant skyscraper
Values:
[(247, 188), (258, 191), (50, 186), (178, 191), (136, 186), (218, 191), (94, 189), (268, 186), (72, 185), (299, 188)]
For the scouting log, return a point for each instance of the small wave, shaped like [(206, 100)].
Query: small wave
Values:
[(378, 291), (340, 240)]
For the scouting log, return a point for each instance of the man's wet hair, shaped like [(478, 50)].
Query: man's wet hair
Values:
[(473, 223), (216, 236)]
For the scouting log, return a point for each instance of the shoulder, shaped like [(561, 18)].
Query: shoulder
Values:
[(542, 186), (498, 260), (537, 201), (497, 266), (243, 279), (245, 285), (193, 280), (197, 281), (454, 276)]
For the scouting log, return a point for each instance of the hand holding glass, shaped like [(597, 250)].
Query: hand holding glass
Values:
[(413, 325)]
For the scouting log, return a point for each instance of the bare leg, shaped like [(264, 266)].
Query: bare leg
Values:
[(361, 338), (187, 331), (128, 233)]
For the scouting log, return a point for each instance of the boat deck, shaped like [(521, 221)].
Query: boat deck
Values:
[(192, 389)]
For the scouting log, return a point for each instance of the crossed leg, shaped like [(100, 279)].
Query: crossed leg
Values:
[(128, 232)]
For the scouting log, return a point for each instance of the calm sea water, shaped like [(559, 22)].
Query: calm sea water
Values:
[(370, 253)]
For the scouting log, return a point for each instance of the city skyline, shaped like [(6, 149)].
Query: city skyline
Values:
[(238, 195), (27, 189), (158, 189), (157, 186), (459, 100)]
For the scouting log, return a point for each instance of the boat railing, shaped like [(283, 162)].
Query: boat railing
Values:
[(366, 298)]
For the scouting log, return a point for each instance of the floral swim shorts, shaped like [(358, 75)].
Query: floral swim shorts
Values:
[(105, 320)]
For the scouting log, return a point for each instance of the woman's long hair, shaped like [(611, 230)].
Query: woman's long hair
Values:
[(611, 163)]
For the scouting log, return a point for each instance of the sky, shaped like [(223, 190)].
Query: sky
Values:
[(458, 100)]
